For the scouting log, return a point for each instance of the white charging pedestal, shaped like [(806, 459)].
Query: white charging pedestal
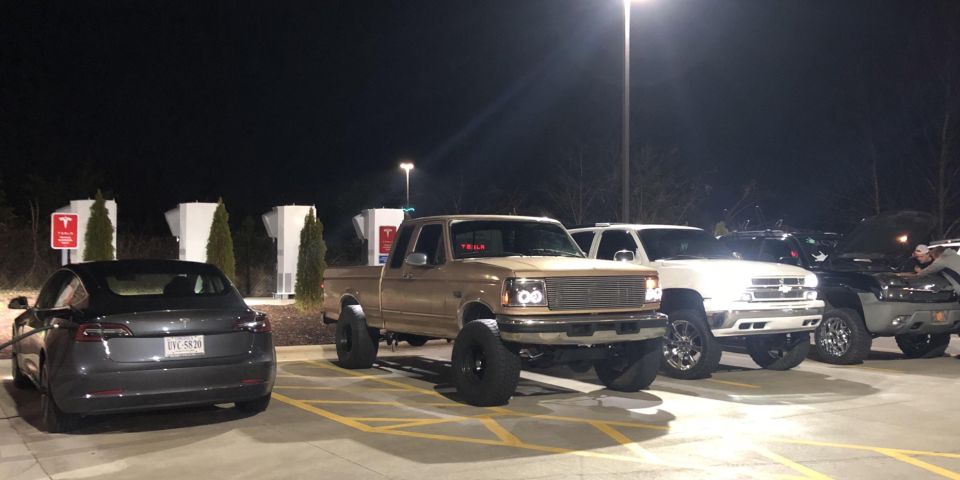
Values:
[(378, 226), (190, 223), (284, 224), (82, 209)]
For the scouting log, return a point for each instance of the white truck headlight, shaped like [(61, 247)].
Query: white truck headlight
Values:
[(731, 288), (653, 291), (811, 280), (524, 292)]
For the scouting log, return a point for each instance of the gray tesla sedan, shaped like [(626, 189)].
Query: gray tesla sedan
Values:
[(138, 335)]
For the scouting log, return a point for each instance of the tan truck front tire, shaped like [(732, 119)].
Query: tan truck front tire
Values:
[(632, 366), (357, 344), (485, 371)]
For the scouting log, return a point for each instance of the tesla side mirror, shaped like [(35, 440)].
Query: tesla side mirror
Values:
[(624, 256), (19, 303), (789, 261), (416, 259)]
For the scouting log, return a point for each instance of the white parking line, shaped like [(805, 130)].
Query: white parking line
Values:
[(566, 383)]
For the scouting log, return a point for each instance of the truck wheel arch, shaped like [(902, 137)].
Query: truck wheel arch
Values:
[(475, 310), (681, 299), (346, 300), (844, 299)]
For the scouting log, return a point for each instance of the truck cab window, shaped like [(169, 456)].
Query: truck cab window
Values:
[(612, 241), (773, 249), (400, 248), (745, 247), (584, 240), (430, 243)]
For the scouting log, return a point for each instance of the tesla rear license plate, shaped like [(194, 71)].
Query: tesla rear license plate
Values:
[(183, 346)]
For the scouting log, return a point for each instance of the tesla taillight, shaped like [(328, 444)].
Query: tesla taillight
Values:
[(95, 332), (256, 323)]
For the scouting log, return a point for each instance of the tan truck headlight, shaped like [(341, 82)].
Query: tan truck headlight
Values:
[(524, 292), (653, 291)]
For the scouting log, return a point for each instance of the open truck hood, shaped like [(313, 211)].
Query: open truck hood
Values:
[(885, 239)]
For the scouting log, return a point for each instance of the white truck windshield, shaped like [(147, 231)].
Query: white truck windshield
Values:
[(678, 244)]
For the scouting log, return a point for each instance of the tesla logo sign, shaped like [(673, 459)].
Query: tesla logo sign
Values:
[(387, 235), (64, 231)]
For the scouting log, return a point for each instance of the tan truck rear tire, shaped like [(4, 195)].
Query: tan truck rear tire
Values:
[(485, 371), (357, 344), (632, 366)]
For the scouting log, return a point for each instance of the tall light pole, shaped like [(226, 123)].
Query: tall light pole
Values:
[(625, 148), (406, 167)]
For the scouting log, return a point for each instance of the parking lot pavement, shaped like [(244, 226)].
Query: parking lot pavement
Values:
[(889, 418)]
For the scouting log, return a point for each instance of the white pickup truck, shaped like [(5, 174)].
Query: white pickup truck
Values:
[(709, 294)]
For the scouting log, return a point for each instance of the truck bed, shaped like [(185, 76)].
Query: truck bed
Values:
[(361, 283)]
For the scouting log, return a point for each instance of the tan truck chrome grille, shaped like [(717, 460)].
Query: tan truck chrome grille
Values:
[(585, 293)]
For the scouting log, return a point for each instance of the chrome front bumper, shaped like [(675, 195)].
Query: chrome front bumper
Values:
[(735, 323), (581, 329)]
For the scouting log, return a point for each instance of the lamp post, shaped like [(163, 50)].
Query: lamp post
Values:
[(625, 148), (406, 167)]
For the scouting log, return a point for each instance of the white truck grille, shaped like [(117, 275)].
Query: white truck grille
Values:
[(776, 289), (587, 293)]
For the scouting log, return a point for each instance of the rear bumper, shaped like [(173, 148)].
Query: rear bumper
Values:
[(76, 389), (581, 329), (759, 319), (895, 318)]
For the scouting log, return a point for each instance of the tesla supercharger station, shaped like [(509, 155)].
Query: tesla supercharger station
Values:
[(82, 209), (284, 224), (378, 226), (190, 223)]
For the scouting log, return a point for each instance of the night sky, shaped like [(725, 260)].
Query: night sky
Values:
[(265, 103)]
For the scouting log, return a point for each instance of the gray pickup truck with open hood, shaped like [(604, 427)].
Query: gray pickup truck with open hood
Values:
[(869, 294)]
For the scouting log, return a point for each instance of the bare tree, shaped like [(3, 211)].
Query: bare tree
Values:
[(868, 136), (941, 43), (577, 183), (733, 214), (663, 189), (452, 192)]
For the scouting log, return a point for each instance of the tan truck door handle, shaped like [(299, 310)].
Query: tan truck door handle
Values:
[(406, 276)]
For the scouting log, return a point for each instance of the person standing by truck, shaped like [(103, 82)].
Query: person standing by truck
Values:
[(919, 260), (946, 262)]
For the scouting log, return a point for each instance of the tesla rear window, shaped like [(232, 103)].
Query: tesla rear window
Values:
[(165, 284)]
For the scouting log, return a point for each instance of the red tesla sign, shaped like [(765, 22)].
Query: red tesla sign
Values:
[(63, 231), (387, 234)]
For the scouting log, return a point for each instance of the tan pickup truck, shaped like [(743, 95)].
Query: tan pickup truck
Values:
[(506, 289)]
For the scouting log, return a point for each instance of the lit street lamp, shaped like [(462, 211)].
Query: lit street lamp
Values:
[(406, 167)]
